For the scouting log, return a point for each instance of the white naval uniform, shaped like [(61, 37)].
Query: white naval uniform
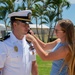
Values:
[(16, 62)]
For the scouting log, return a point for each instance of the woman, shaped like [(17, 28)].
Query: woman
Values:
[(62, 49)]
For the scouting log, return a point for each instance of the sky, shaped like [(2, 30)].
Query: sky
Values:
[(72, 1), (67, 13), (70, 13)]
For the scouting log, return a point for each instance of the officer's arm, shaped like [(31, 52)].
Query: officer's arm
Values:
[(34, 68), (3, 55)]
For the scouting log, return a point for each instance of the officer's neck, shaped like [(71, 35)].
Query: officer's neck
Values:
[(18, 36)]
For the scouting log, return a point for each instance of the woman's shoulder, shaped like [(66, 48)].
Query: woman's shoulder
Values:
[(57, 40), (67, 48)]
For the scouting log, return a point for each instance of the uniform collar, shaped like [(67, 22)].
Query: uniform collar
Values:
[(14, 39)]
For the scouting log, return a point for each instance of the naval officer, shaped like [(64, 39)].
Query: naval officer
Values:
[(16, 56)]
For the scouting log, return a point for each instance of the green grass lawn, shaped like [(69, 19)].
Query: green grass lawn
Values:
[(44, 67)]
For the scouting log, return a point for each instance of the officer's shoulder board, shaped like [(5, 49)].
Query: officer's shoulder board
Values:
[(4, 38)]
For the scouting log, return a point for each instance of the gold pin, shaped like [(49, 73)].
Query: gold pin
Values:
[(16, 48), (29, 16)]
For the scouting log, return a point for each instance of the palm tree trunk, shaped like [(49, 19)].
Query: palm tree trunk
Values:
[(49, 32), (42, 33), (37, 29)]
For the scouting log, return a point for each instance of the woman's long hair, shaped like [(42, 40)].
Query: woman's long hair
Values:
[(68, 27)]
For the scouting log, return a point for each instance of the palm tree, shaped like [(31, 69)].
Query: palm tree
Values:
[(35, 15), (54, 12), (58, 6), (6, 7), (29, 3), (49, 19), (40, 11)]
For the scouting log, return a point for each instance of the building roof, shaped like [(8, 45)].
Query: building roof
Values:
[(2, 26), (38, 26)]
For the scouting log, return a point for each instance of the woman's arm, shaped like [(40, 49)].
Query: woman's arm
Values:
[(46, 46), (61, 53)]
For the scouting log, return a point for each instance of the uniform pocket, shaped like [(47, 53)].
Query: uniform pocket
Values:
[(15, 57)]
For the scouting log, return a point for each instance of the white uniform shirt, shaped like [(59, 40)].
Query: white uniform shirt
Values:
[(16, 61)]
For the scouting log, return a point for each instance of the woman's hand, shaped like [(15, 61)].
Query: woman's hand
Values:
[(29, 37)]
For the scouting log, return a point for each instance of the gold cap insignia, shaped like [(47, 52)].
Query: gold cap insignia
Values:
[(15, 48), (29, 16)]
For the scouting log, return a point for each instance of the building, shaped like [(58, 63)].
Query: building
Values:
[(32, 26), (44, 28)]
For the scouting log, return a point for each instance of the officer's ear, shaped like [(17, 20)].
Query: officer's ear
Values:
[(15, 23)]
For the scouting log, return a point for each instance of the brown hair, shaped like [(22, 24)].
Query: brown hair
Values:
[(68, 27)]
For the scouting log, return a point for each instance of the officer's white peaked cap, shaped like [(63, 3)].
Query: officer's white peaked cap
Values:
[(24, 15)]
